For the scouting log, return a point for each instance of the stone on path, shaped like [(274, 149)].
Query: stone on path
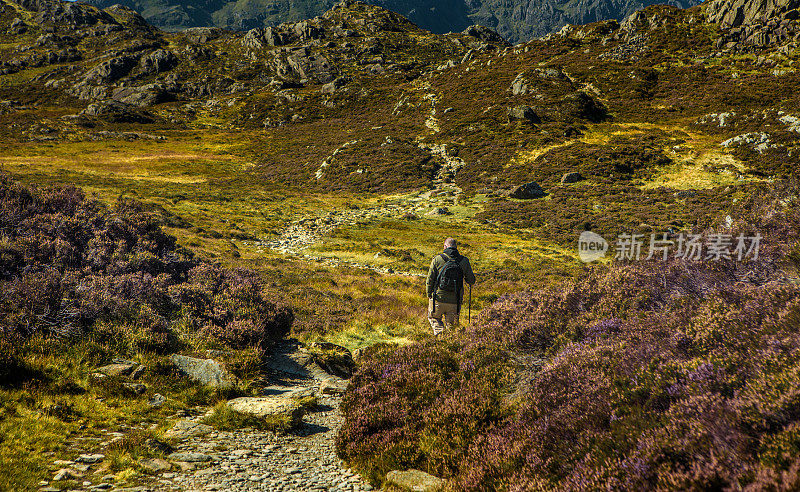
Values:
[(298, 364), (189, 457), (188, 428), (267, 406), (90, 458), (204, 371), (415, 481), (155, 465), (66, 474)]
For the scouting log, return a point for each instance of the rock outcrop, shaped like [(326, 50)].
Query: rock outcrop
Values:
[(758, 23), (515, 21)]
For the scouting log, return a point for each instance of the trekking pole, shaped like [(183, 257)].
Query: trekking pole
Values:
[(469, 309)]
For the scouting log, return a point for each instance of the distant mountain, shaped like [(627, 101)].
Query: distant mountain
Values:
[(515, 20)]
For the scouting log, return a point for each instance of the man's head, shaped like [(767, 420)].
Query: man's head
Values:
[(450, 243)]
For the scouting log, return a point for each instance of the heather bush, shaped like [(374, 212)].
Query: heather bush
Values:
[(231, 306), (419, 406), (652, 375), (72, 267)]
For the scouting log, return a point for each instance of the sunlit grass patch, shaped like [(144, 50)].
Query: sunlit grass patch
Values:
[(362, 333), (707, 170), (223, 417)]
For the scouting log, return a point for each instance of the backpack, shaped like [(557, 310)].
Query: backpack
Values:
[(451, 277)]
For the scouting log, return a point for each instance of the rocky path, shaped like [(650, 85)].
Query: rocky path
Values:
[(250, 460), (304, 459)]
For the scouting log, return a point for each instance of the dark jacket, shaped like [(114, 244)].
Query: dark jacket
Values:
[(433, 276)]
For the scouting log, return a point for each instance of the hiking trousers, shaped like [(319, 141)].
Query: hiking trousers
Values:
[(445, 315)]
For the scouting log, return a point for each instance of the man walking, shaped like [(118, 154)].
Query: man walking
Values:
[(446, 276)]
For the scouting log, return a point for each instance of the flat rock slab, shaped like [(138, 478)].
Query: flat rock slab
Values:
[(90, 458), (190, 457), (297, 364), (188, 428), (414, 481), (204, 371), (268, 406), (117, 370), (332, 387)]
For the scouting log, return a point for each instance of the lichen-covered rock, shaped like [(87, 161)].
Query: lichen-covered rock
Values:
[(269, 406), (204, 371), (414, 481)]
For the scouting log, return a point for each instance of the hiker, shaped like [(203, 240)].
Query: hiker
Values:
[(446, 276)]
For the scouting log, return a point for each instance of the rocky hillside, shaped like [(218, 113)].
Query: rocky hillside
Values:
[(519, 20), (362, 100)]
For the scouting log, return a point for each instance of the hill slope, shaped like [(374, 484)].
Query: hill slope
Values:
[(519, 20)]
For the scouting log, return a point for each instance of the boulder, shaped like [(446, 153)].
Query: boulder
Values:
[(86, 91), (202, 35), (414, 481), (520, 86), (204, 371), (581, 105), (571, 178), (528, 191), (269, 406), (523, 113), (337, 84)]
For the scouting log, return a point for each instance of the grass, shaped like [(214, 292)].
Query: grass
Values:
[(60, 413), (225, 419)]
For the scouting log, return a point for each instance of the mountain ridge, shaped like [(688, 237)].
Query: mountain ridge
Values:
[(521, 20)]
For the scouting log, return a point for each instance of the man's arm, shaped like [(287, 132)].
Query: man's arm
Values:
[(433, 274), (469, 276)]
